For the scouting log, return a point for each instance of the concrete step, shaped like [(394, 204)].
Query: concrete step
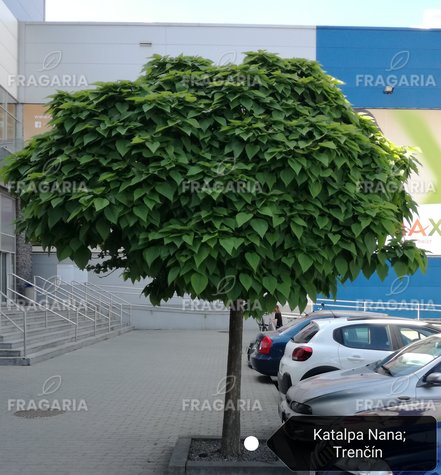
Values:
[(13, 340), (45, 354)]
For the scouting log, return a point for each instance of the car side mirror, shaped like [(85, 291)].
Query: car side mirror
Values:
[(434, 378)]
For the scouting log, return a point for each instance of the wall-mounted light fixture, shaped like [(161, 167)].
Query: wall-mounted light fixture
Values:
[(388, 89), (145, 44)]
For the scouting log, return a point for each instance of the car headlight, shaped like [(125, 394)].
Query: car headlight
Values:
[(300, 408)]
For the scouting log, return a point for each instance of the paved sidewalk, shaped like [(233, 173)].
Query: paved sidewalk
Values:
[(142, 390)]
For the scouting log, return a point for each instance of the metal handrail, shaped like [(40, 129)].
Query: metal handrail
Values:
[(101, 299), (120, 301), (75, 295), (69, 294), (23, 330), (69, 304), (6, 316), (38, 305), (104, 291), (78, 286)]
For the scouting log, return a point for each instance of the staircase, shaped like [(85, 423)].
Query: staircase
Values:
[(58, 318)]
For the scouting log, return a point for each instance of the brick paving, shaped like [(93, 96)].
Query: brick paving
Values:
[(142, 390)]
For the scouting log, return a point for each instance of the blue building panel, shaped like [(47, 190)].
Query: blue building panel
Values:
[(369, 59), (394, 293)]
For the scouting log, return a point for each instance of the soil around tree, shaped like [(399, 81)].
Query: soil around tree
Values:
[(209, 450)]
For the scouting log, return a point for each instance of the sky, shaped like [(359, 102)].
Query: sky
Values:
[(396, 13)]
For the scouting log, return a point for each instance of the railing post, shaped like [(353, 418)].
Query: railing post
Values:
[(418, 311), (364, 305), (109, 326), (94, 323), (24, 333), (45, 317), (76, 327), (121, 316)]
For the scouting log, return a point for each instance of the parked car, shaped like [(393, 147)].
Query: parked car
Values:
[(330, 344), (266, 350), (410, 374)]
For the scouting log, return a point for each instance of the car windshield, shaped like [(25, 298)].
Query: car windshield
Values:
[(411, 358)]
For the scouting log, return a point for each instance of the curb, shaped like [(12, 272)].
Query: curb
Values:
[(180, 465)]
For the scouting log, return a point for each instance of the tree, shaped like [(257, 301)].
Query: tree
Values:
[(259, 173)]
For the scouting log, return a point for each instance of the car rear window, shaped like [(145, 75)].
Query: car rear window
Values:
[(364, 336), (307, 333)]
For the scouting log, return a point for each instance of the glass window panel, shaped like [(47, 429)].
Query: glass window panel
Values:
[(7, 215), (11, 122)]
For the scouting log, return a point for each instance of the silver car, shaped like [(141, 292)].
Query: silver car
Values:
[(410, 374)]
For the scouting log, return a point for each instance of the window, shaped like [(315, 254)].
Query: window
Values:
[(368, 337), (409, 335), (307, 333), (8, 118), (408, 360)]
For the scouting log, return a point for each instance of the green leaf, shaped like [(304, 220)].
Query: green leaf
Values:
[(329, 145), (382, 271), (245, 280), (253, 260), (242, 218), (228, 244), (122, 146), (111, 214), (153, 146), (81, 257), (100, 203), (103, 229), (151, 254), (64, 253), (285, 288), (270, 283), (357, 229), (142, 212), (260, 226), (341, 265), (188, 238), (172, 274), (199, 282), (202, 254), (315, 187), (288, 176), (334, 238), (296, 229), (251, 150), (322, 221), (400, 268), (166, 189), (305, 261)]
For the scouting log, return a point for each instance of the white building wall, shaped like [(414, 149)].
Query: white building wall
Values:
[(8, 49), (78, 54)]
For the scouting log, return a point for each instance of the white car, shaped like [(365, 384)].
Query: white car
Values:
[(345, 343)]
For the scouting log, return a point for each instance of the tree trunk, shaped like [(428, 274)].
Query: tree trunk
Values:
[(231, 425)]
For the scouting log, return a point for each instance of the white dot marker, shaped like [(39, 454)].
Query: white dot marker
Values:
[(251, 443)]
